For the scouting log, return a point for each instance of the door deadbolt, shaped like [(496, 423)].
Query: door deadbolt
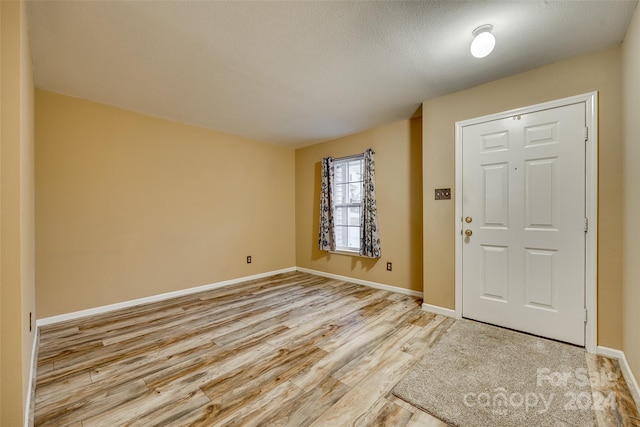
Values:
[(468, 232), (468, 219)]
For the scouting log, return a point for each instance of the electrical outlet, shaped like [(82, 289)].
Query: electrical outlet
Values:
[(249, 259), (389, 266), (443, 194)]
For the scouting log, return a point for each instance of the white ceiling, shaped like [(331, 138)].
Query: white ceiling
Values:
[(296, 73)]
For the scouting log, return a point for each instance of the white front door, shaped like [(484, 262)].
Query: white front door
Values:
[(523, 208)]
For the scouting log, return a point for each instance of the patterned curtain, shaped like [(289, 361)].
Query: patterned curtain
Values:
[(327, 238), (369, 237)]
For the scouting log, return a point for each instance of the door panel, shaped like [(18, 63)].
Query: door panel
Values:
[(495, 192), (539, 178), (540, 279), (524, 190), (496, 272)]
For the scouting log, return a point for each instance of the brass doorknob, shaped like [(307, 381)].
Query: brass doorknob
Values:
[(468, 219), (468, 232)]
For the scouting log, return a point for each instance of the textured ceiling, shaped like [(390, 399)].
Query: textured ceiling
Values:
[(295, 73)]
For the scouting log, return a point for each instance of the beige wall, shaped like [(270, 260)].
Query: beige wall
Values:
[(600, 72), (17, 294), (398, 197), (130, 205), (631, 206)]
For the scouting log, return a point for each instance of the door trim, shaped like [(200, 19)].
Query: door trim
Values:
[(591, 203)]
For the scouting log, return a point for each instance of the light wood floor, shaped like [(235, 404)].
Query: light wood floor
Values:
[(293, 349)]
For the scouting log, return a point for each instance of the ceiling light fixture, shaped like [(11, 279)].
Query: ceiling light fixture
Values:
[(483, 41)]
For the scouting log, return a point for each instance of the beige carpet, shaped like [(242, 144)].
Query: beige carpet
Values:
[(481, 375)]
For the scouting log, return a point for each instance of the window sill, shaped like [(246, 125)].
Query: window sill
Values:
[(348, 253)]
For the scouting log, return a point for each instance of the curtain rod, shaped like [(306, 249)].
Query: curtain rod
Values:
[(353, 156)]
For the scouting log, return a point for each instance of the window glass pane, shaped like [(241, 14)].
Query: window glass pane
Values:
[(355, 192), (354, 216), (340, 216), (354, 237), (340, 172), (341, 237), (355, 170), (340, 193)]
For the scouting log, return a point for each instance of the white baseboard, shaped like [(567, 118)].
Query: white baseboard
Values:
[(439, 310), (29, 407), (155, 298), (182, 292), (362, 282), (625, 368), (610, 352)]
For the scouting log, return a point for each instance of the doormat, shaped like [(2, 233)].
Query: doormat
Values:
[(482, 375)]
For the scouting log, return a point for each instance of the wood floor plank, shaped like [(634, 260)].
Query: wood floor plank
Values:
[(421, 319), (379, 316), (419, 417), (143, 365), (44, 368), (261, 407), (55, 334), (88, 402), (428, 336), (240, 385), (215, 415), (309, 406), (613, 402), (307, 379), (336, 308), (104, 355), (204, 368), (143, 406), (316, 314), (169, 413), (422, 419), (292, 349), (385, 413), (51, 391), (358, 369), (359, 400)]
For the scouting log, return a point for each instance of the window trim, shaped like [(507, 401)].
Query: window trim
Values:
[(346, 250)]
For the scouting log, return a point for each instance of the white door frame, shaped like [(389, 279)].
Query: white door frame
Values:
[(591, 203)]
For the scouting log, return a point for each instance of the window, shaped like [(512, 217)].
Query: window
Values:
[(347, 196), (348, 213)]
